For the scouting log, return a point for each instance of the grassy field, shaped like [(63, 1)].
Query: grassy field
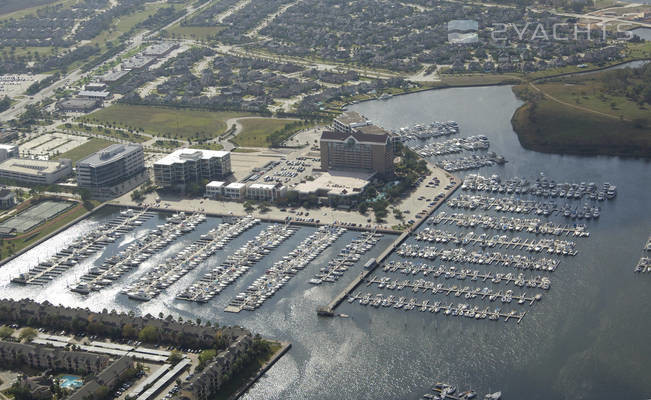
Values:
[(256, 131), (85, 149), (194, 32), (551, 127), (164, 121), (19, 8)]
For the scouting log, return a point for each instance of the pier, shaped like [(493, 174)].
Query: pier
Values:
[(348, 256), (329, 309), (83, 247), (507, 224), (453, 310)]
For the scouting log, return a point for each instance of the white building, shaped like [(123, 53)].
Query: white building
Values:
[(8, 151), (235, 191), (265, 192), (186, 166), (36, 172), (215, 189)]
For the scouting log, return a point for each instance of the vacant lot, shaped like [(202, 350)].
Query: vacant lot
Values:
[(256, 131), (90, 147), (165, 121)]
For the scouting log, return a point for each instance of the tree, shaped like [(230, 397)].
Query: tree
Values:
[(27, 334), (175, 357), (149, 334), (5, 332), (128, 331)]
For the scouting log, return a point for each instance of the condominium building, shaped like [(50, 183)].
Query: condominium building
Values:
[(186, 166), (110, 166), (35, 172), (265, 192), (235, 191), (365, 148), (215, 189)]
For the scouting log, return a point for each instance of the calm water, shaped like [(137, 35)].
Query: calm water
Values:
[(587, 339)]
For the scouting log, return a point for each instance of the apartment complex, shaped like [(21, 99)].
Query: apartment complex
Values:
[(205, 384), (35, 172), (364, 148), (40, 357), (187, 166), (110, 166)]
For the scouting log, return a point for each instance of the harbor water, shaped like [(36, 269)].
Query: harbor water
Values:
[(587, 338)]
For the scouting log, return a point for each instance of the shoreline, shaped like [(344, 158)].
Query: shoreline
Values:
[(285, 346)]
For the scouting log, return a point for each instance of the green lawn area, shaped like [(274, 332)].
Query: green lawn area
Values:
[(166, 121), (91, 146), (19, 8), (557, 128), (256, 131), (194, 32)]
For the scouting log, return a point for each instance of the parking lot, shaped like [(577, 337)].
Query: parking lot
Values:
[(51, 144)]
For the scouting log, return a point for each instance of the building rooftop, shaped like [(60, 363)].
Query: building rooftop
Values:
[(235, 185), (357, 135), (183, 155), (372, 130), (337, 182), (159, 48), (94, 93), (7, 147), (352, 117), (32, 167), (113, 76), (215, 184), (109, 154)]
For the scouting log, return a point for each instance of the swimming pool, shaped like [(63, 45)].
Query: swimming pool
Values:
[(70, 381)]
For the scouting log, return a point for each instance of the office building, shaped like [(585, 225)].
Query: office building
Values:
[(235, 191), (349, 120), (35, 172), (187, 166), (110, 166)]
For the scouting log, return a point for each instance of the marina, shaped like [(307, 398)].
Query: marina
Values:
[(172, 269), (346, 258), (506, 224), (543, 187), (472, 162), (409, 268), (136, 253), (83, 247), (644, 265), (452, 146), (549, 245), (488, 258), (237, 264), (282, 271), (467, 292), (520, 206), (431, 130), (454, 310)]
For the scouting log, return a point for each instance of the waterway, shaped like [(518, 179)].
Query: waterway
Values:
[(587, 338)]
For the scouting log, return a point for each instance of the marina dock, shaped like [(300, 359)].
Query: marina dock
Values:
[(328, 310), (506, 224), (84, 247)]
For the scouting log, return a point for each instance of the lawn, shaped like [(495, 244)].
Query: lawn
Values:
[(194, 32), (256, 131), (556, 128), (91, 146), (166, 121)]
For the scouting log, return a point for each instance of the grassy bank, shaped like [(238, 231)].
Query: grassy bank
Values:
[(551, 127)]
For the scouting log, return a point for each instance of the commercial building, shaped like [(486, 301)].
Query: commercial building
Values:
[(235, 191), (8, 151), (215, 189), (265, 192), (365, 148), (160, 49), (187, 166), (94, 94), (336, 188), (110, 166), (349, 120), (36, 172), (78, 105), (95, 86), (113, 76)]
